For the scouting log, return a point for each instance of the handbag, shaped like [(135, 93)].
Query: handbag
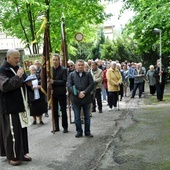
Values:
[(24, 117)]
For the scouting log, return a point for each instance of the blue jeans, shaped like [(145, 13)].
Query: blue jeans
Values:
[(86, 111), (104, 94), (137, 85)]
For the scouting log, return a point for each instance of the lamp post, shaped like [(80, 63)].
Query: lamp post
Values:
[(159, 31)]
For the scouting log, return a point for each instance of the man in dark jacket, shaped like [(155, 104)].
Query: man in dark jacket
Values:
[(160, 85), (80, 84), (58, 82), (13, 138)]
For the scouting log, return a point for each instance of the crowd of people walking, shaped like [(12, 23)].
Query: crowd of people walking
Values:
[(82, 85)]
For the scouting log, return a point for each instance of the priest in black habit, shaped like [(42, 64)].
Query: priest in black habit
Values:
[(13, 138)]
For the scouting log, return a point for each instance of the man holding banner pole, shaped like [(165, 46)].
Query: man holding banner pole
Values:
[(58, 81)]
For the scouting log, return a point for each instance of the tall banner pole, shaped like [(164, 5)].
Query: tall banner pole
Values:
[(160, 54), (63, 42), (46, 74), (65, 57)]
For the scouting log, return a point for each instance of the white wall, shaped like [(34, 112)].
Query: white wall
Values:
[(7, 42)]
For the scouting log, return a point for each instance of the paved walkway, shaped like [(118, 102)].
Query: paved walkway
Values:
[(65, 152)]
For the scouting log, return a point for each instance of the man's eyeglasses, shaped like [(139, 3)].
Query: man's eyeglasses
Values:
[(70, 66)]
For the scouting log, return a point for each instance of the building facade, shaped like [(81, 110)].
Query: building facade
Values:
[(8, 42)]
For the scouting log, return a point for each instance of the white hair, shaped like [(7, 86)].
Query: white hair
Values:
[(36, 61), (32, 67), (70, 62), (118, 64), (151, 67), (11, 51), (113, 63), (86, 64)]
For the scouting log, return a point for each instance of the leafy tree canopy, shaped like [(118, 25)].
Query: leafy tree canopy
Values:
[(149, 15), (23, 19), (123, 48)]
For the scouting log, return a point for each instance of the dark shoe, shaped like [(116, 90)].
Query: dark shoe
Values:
[(89, 135), (14, 163), (100, 111), (41, 123), (46, 115), (57, 130), (34, 123), (27, 158), (65, 131), (132, 97), (93, 110), (78, 135)]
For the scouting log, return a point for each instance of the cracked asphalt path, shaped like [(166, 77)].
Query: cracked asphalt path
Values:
[(136, 137)]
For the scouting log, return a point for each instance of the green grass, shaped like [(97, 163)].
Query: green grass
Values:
[(166, 165), (153, 100)]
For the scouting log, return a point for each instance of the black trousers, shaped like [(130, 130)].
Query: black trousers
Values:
[(143, 86), (60, 99), (131, 81), (98, 98), (160, 90), (152, 89), (113, 98), (121, 91)]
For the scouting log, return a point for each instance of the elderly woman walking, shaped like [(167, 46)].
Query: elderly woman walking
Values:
[(114, 79), (151, 79)]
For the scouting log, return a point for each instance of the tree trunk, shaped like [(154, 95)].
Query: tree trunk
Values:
[(23, 28)]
